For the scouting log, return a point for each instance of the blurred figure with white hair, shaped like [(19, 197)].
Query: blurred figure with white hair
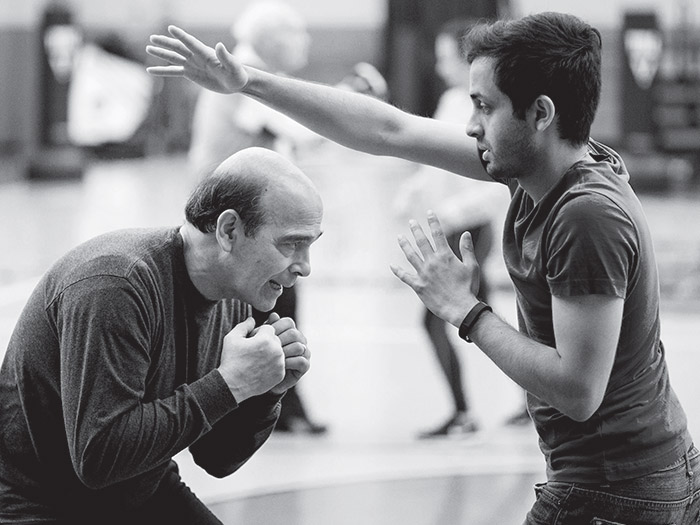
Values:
[(272, 36)]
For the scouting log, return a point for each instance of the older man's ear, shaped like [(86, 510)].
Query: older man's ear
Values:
[(229, 226)]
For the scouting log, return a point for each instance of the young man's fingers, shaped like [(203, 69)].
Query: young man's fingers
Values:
[(166, 54), (436, 231), (466, 246), (223, 55), (173, 44), (404, 276), (166, 71), (422, 241), (193, 44), (410, 252)]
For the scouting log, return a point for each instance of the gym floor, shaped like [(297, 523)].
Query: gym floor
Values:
[(374, 380)]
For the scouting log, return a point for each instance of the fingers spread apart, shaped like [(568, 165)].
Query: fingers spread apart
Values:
[(170, 45)]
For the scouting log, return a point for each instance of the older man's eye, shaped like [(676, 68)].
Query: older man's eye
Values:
[(288, 248)]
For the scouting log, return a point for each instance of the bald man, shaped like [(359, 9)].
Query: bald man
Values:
[(139, 343)]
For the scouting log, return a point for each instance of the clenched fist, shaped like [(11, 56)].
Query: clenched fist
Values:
[(252, 360), (296, 353)]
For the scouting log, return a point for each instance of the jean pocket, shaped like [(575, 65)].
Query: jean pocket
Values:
[(599, 521)]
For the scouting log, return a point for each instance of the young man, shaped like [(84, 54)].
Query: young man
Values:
[(140, 343), (576, 245)]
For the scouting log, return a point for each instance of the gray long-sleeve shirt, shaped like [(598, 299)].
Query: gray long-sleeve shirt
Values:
[(110, 372)]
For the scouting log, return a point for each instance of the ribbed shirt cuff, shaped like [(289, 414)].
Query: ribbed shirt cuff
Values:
[(214, 396)]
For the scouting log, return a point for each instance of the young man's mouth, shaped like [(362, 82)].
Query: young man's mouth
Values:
[(482, 155)]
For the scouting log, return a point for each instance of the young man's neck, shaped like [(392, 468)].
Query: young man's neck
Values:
[(554, 165)]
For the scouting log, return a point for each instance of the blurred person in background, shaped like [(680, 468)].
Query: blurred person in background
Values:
[(271, 36), (462, 205), (140, 343), (576, 245)]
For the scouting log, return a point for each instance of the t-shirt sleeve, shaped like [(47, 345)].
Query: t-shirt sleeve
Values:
[(591, 248)]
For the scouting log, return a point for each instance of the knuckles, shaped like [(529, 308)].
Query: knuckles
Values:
[(284, 324), (297, 336)]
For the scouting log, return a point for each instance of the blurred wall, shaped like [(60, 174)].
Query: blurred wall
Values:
[(344, 33), (145, 13), (609, 13), (142, 13)]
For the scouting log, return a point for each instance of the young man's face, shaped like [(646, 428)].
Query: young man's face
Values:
[(505, 141), (278, 253)]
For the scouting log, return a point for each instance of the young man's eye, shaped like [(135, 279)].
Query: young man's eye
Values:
[(478, 104)]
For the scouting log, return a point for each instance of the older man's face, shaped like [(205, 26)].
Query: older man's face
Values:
[(278, 253)]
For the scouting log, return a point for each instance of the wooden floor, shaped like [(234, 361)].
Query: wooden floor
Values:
[(374, 380)]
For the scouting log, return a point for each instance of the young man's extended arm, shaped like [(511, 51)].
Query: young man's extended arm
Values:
[(354, 120)]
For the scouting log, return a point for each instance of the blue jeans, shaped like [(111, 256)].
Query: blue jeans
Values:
[(670, 496)]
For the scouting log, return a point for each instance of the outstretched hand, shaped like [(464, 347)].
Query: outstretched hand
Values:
[(212, 68), (446, 285)]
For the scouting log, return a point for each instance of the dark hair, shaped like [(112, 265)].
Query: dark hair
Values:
[(552, 54), (220, 192)]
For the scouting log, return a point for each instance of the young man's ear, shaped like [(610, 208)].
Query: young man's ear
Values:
[(229, 226), (544, 112)]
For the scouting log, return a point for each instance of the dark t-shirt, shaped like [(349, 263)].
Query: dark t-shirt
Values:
[(109, 373), (588, 235)]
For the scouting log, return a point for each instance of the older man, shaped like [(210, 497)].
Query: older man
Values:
[(140, 343)]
